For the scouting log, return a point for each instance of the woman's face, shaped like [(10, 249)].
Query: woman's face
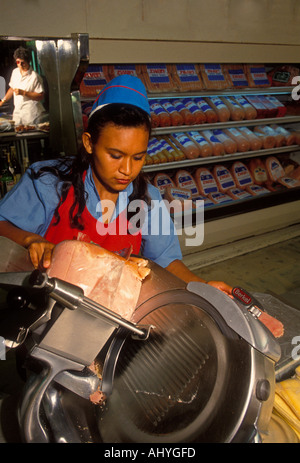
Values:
[(118, 156)]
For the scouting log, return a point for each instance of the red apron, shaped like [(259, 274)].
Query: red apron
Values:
[(114, 236)]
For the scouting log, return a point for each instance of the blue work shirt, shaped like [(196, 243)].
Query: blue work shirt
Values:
[(30, 206)]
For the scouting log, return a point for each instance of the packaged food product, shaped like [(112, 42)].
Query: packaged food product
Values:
[(283, 74), (198, 114), (274, 168), (281, 108), (161, 113), (230, 145), (115, 70), (173, 149), (271, 108), (223, 178), (203, 145), (268, 139), (184, 180), (162, 181), (256, 75), (156, 77), (289, 182), (237, 75), (258, 105), (187, 116), (237, 112), (238, 193), (241, 175), (256, 143), (175, 193), (219, 108), (220, 198), (175, 117), (213, 76), (217, 146), (289, 136), (242, 142), (210, 114), (205, 181), (186, 145), (93, 81), (258, 171), (250, 111), (256, 190), (186, 77), (266, 130)]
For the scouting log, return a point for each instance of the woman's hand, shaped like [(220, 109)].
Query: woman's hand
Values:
[(40, 252)]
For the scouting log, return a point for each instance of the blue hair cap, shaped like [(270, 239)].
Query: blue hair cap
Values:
[(123, 89)]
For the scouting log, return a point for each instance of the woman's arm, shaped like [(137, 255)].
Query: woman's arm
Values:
[(40, 250), (8, 96), (179, 269)]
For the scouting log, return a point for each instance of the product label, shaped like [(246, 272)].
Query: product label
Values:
[(198, 138), (220, 198), (214, 72), (240, 194), (94, 76), (258, 190), (186, 181), (191, 106), (168, 107), (121, 69), (202, 104), (242, 174), (217, 102), (238, 78), (225, 178), (157, 108), (211, 136), (208, 182), (158, 73), (187, 73), (183, 139), (259, 76)]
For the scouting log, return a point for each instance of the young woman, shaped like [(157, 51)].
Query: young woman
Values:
[(89, 197)]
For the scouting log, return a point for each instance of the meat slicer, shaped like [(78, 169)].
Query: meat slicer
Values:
[(193, 365)]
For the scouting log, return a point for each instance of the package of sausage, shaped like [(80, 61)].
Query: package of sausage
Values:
[(243, 145), (162, 148), (217, 146), (270, 107), (155, 151), (268, 139), (256, 142), (162, 181), (186, 145), (198, 114), (186, 77), (161, 113), (250, 111), (173, 193), (281, 109), (266, 130), (167, 150), (183, 179), (203, 145), (274, 169), (257, 104), (238, 193), (206, 202), (236, 112), (256, 75), (205, 181), (213, 77), (223, 178), (219, 107), (230, 145), (187, 116), (173, 149), (175, 116), (236, 75), (220, 198), (258, 171), (241, 175), (115, 70), (210, 114), (289, 136), (256, 190), (156, 78), (289, 182), (94, 79)]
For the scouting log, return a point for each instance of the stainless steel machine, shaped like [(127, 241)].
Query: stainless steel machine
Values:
[(194, 365)]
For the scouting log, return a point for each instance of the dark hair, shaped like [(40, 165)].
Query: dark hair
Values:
[(71, 170), (22, 53)]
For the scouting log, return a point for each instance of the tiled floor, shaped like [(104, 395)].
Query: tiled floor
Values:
[(274, 269)]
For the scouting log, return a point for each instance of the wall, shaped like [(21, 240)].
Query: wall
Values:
[(165, 30)]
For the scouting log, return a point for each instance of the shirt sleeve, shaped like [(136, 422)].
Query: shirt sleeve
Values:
[(159, 238), (30, 205)]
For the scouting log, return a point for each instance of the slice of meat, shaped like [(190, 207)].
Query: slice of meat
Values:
[(273, 325), (105, 277)]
